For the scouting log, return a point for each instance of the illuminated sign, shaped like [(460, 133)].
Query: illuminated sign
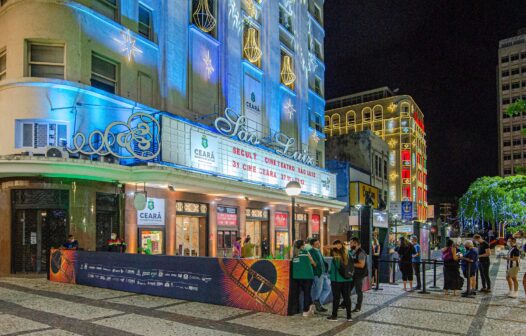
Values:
[(360, 192), (315, 220), (281, 221), (153, 213), (184, 145), (226, 217)]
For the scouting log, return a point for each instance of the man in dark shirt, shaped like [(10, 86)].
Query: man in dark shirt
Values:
[(484, 253), (71, 243), (360, 271)]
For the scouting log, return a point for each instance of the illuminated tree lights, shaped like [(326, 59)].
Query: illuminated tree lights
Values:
[(203, 18), (251, 47), (496, 200)]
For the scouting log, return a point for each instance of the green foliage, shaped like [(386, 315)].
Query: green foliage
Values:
[(495, 199), (516, 108)]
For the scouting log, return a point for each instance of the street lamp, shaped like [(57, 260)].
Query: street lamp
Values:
[(293, 189), (395, 217), (357, 207)]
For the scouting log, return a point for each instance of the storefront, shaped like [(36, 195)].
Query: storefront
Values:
[(257, 226)]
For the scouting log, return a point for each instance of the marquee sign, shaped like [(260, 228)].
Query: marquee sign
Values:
[(188, 145)]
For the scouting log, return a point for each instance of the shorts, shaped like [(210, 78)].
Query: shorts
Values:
[(512, 272), (472, 273)]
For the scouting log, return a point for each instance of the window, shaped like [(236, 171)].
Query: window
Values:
[(505, 86), (108, 8), (145, 22), (285, 19), (523, 54), (504, 59), (40, 134), (507, 157), (517, 156), (316, 12), (516, 128), (103, 74), (319, 157), (506, 129), (505, 73), (251, 45), (505, 101), (287, 70), (385, 174), (3, 64), (405, 108), (515, 85), (517, 142), (46, 60), (514, 57), (523, 69), (507, 171), (315, 122), (515, 71), (507, 143), (317, 86), (317, 50), (523, 84)]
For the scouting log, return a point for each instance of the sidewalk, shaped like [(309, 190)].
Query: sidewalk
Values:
[(34, 306)]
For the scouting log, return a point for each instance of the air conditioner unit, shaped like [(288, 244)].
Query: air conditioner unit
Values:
[(50, 152)]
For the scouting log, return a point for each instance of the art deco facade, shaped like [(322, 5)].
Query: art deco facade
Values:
[(511, 86), (206, 107), (398, 120)]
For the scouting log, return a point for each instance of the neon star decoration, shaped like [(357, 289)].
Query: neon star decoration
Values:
[(315, 138), (128, 46), (392, 107), (208, 64), (392, 143), (289, 109)]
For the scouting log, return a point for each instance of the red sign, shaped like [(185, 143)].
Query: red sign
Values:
[(281, 221), (315, 220), (226, 219)]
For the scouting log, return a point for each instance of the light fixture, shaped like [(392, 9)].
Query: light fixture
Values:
[(128, 44), (293, 188), (203, 18), (251, 48), (287, 75)]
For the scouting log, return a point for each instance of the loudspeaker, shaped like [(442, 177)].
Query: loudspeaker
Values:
[(366, 224)]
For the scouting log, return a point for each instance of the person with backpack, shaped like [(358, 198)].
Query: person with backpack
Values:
[(303, 274), (341, 272), (359, 258)]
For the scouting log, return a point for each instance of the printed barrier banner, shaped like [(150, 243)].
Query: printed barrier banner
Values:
[(253, 284)]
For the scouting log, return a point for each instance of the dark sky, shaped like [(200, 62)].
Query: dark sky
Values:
[(441, 52)]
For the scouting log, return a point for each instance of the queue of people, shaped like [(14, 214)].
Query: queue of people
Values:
[(316, 280)]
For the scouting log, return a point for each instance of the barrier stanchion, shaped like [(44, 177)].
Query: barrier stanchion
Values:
[(434, 274), (394, 272), (424, 291)]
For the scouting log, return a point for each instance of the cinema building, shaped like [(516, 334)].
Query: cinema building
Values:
[(175, 124)]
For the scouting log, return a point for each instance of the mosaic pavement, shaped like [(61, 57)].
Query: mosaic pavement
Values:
[(34, 306)]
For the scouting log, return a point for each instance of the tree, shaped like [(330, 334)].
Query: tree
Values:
[(496, 200), (516, 109)]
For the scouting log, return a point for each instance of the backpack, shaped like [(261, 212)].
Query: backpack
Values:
[(347, 271)]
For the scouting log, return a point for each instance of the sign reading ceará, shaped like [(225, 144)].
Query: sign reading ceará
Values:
[(153, 213), (203, 150)]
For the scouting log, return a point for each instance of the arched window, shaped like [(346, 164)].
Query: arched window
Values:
[(366, 114), (378, 112), (350, 117), (335, 120)]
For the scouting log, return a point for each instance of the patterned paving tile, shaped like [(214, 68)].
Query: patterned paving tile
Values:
[(11, 324), (212, 312), (145, 301), (370, 328)]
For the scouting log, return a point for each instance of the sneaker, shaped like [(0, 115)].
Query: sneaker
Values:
[(349, 319), (514, 294), (332, 318), (307, 314), (356, 310)]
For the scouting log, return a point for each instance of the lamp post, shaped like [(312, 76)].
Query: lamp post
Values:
[(293, 189), (395, 216), (357, 207)]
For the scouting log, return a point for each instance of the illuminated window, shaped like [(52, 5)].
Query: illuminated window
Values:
[(251, 45), (203, 15), (287, 70), (145, 22), (406, 173), (3, 64), (406, 155), (104, 74), (108, 8), (46, 60), (405, 108), (40, 134)]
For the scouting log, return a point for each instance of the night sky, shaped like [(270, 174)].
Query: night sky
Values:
[(442, 53)]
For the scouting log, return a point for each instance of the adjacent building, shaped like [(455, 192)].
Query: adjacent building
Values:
[(511, 86), (176, 124), (398, 121)]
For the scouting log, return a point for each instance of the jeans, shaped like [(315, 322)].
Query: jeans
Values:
[(416, 269), (357, 284), (340, 289), (484, 274), (305, 286), (321, 288)]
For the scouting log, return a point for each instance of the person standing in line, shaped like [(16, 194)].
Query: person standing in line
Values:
[(359, 257), (377, 250), (303, 274), (236, 248), (71, 243), (484, 263), (321, 287), (405, 253), (247, 251), (416, 259), (469, 266), (339, 284), (452, 279), (512, 268)]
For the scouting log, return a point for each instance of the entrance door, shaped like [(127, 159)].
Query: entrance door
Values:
[(187, 237), (303, 231), (107, 219), (36, 231), (253, 229)]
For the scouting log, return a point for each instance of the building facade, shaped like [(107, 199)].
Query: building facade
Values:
[(176, 124), (397, 120), (511, 86)]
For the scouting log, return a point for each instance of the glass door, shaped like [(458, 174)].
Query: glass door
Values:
[(253, 229), (187, 236)]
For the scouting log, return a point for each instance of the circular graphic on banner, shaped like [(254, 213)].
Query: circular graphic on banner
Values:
[(56, 261), (262, 267)]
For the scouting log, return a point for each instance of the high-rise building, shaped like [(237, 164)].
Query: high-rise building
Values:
[(398, 120), (511, 86), (176, 124)]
